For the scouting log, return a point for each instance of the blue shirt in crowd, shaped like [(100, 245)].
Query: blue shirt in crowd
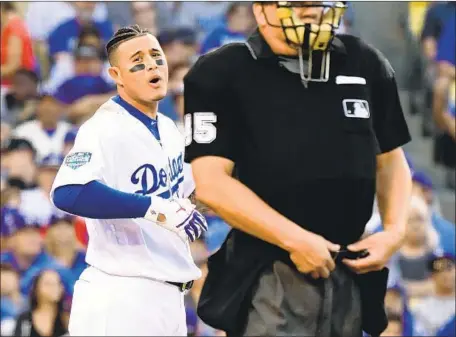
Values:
[(447, 42), (219, 37), (64, 37), (80, 86), (42, 261)]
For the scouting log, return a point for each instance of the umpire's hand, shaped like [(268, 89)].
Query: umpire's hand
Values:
[(311, 253), (381, 246)]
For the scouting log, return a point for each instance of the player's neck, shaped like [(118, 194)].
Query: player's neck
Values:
[(150, 109)]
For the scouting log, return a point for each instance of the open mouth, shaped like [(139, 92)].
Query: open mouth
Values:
[(155, 79)]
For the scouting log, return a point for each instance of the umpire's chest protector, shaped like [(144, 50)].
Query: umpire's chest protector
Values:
[(324, 129), (137, 162)]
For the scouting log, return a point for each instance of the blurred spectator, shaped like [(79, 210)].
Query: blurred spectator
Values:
[(444, 114), (44, 16), (434, 311), (81, 231), (65, 68), (423, 188), (25, 251), (69, 140), (145, 15), (385, 25), (396, 304), (87, 90), (16, 44), (436, 16), (47, 132), (346, 22), (449, 329), (202, 16), (239, 20), (12, 301), (172, 104), (46, 316), (18, 163), (25, 243), (10, 197), (36, 205), (19, 102), (63, 38), (120, 13), (217, 232), (419, 245), (197, 326), (394, 327), (179, 46), (61, 243)]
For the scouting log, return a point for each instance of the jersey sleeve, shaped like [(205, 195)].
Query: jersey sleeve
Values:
[(84, 163), (209, 117), (389, 122)]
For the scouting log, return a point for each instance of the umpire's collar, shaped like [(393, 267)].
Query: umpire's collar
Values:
[(260, 49)]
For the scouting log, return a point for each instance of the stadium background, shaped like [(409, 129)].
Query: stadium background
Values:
[(54, 77)]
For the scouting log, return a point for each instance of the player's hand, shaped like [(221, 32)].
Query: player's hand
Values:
[(381, 246), (311, 253), (179, 216)]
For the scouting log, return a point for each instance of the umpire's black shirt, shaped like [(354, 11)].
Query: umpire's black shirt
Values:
[(310, 153)]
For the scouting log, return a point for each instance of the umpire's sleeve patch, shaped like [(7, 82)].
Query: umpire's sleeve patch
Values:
[(77, 159)]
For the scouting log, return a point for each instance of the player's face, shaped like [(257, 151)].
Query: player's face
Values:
[(141, 69)]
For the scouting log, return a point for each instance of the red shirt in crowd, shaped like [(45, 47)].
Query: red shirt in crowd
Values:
[(16, 27)]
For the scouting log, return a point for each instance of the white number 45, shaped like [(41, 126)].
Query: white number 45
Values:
[(202, 130)]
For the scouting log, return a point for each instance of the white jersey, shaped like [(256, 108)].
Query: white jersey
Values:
[(117, 149), (43, 143)]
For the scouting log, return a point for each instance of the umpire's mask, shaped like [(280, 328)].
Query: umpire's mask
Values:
[(310, 37)]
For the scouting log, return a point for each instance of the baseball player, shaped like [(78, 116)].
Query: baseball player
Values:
[(125, 175)]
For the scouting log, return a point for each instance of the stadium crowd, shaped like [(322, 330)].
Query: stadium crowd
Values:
[(54, 77)]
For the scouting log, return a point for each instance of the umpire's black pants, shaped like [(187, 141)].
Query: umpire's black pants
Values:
[(288, 303)]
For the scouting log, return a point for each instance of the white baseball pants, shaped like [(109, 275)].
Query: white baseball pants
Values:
[(107, 305)]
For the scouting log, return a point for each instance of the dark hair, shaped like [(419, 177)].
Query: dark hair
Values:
[(88, 30), (6, 267), (28, 73), (122, 35), (8, 6), (34, 292)]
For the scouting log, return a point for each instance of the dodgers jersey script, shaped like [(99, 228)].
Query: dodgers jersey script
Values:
[(117, 149)]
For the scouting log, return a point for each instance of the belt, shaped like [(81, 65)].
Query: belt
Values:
[(182, 286)]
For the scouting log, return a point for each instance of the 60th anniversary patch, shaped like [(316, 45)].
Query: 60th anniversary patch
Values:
[(78, 159)]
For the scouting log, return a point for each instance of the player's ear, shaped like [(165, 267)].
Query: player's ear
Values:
[(114, 72), (259, 13)]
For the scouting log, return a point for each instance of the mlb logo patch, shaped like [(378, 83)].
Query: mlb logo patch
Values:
[(356, 108), (78, 159)]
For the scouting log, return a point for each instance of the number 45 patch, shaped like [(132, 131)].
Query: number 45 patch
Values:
[(201, 129)]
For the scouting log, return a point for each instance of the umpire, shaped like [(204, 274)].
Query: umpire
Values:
[(310, 125)]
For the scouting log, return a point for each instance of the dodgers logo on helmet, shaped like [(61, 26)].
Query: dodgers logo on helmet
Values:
[(152, 179)]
